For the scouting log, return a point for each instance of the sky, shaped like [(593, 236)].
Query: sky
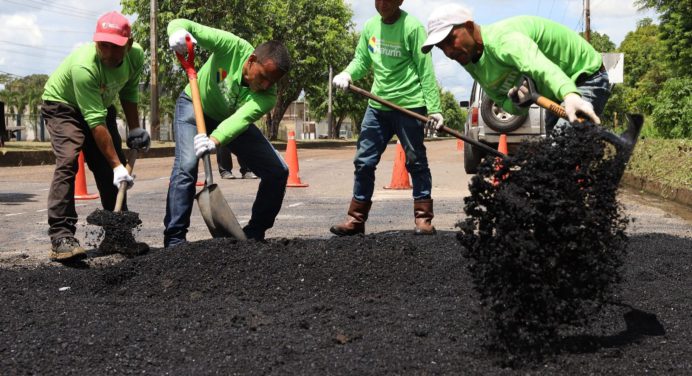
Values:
[(37, 34)]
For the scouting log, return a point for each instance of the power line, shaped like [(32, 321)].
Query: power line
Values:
[(64, 12), (38, 47)]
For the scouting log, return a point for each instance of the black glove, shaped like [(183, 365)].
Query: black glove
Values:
[(138, 139)]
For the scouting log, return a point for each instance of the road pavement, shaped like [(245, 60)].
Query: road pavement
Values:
[(306, 212)]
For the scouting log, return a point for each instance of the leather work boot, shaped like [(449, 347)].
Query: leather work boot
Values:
[(355, 223), (66, 248), (423, 213)]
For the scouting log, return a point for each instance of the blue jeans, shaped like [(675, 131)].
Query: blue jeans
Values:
[(596, 90), (377, 129), (251, 146)]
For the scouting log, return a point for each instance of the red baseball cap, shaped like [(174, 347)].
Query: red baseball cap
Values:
[(112, 27)]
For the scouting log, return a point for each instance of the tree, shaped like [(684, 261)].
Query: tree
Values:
[(675, 32), (454, 116), (645, 72), (311, 30), (22, 95), (601, 42)]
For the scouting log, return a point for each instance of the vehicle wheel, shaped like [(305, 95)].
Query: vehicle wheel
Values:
[(497, 119), (472, 158)]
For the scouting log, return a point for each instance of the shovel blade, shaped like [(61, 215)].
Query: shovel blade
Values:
[(217, 214)]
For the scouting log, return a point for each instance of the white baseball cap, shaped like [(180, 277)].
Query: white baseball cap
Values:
[(442, 20)]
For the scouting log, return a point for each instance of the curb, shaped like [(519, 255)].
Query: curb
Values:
[(680, 195)]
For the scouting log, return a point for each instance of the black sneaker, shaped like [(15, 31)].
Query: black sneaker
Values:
[(250, 175), (66, 248), (227, 175)]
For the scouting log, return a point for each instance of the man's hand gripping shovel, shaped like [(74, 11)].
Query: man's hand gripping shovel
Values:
[(215, 210)]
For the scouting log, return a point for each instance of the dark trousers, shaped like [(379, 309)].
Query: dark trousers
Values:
[(225, 160), (70, 134)]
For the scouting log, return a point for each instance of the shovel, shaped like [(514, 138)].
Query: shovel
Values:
[(624, 143), (117, 225), (218, 216), (425, 119)]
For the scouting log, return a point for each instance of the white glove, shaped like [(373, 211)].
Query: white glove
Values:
[(435, 121), (178, 43), (574, 103), (342, 80), (203, 145), (120, 175)]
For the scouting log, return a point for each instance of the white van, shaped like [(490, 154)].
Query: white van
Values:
[(485, 122)]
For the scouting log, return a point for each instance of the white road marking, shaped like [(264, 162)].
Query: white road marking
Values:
[(296, 204)]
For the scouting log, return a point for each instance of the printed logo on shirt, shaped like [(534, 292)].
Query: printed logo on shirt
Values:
[(391, 49), (221, 75), (506, 81)]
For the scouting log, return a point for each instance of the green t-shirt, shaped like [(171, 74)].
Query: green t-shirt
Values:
[(403, 74), (224, 97), (550, 53), (82, 81)]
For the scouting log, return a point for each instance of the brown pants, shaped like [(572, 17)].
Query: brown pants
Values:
[(70, 134)]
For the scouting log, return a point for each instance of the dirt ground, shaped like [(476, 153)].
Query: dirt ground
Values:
[(385, 303)]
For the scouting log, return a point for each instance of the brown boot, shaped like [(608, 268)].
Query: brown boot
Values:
[(423, 213), (355, 223)]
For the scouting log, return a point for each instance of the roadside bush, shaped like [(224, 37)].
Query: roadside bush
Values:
[(673, 109)]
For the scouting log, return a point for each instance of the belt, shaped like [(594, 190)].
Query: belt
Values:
[(585, 76)]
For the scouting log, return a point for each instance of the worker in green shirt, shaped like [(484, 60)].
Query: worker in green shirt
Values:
[(564, 66), (390, 44), (78, 107), (237, 87)]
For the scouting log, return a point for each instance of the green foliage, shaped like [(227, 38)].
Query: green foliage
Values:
[(601, 42), (673, 110), (675, 32), (454, 116)]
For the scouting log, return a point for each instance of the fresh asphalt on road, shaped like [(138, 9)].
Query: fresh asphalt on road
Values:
[(306, 213)]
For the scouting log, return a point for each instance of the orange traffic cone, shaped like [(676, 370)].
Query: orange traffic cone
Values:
[(460, 145), (80, 188), (399, 173), (292, 161), (502, 148)]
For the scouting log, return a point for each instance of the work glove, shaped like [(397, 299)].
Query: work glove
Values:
[(435, 121), (138, 139), (574, 103), (519, 95), (203, 145), (120, 175), (178, 43), (342, 80)]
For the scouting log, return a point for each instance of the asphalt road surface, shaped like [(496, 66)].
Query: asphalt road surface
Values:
[(306, 212)]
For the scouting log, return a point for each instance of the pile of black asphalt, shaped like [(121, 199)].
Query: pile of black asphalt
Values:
[(545, 236), (385, 303)]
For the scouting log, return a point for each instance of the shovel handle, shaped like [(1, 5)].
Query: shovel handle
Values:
[(542, 101), (188, 65), (425, 119), (123, 185)]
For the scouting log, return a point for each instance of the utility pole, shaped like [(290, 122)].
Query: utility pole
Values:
[(154, 104), (329, 105), (587, 20)]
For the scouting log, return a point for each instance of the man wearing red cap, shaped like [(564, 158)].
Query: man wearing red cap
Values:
[(78, 106)]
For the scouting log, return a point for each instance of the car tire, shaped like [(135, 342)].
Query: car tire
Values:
[(497, 119), (472, 158)]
